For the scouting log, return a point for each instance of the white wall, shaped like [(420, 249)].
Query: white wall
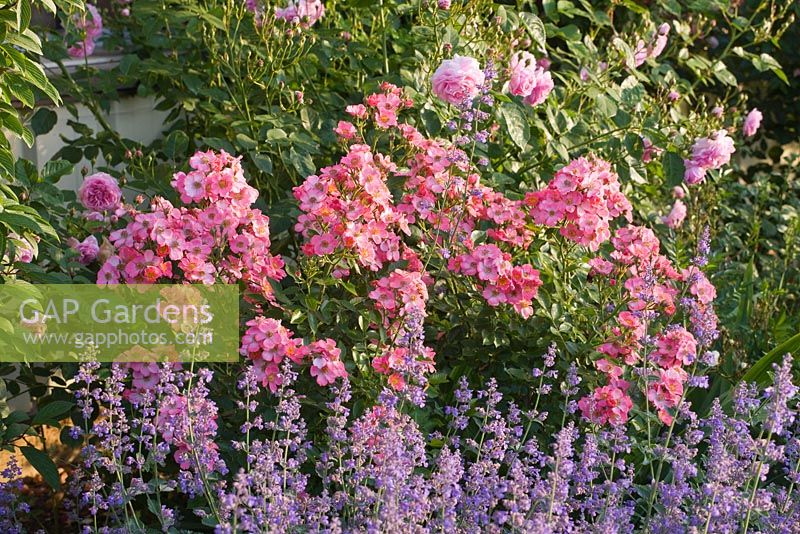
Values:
[(133, 117)]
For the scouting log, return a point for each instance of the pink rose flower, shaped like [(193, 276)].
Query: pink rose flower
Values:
[(713, 152), (543, 84), (90, 26), (522, 79), (23, 248), (529, 79), (708, 153), (358, 111), (457, 80), (303, 12), (345, 130), (93, 24), (81, 49), (88, 249), (640, 53), (644, 51), (676, 215), (661, 41), (100, 192), (752, 123), (694, 174), (649, 151)]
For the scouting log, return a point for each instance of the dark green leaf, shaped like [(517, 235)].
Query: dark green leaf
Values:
[(759, 371), (176, 144), (674, 168), (44, 465), (52, 412), (302, 162), (43, 121)]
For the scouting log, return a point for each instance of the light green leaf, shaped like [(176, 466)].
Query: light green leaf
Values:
[(722, 73), (23, 15), (515, 122), (535, 28)]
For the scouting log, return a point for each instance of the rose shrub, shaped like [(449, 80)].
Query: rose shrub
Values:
[(551, 203)]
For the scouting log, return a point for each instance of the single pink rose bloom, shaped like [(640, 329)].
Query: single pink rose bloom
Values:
[(457, 80)]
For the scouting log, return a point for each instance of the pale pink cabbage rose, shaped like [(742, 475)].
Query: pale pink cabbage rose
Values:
[(90, 24), (752, 122), (522, 80), (303, 12), (644, 51), (529, 79), (694, 174), (676, 215), (23, 249), (457, 80), (543, 86), (93, 24), (649, 150), (708, 153), (100, 192), (640, 53), (713, 152), (661, 41)]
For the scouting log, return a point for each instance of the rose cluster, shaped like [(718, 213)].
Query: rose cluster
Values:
[(502, 282), (651, 292), (583, 198), (217, 238), (302, 13), (267, 342)]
